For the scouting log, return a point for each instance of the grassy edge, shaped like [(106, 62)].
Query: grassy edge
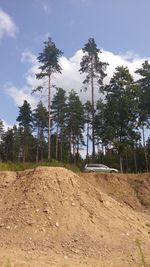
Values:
[(19, 166)]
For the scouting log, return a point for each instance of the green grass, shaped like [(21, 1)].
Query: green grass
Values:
[(19, 166)]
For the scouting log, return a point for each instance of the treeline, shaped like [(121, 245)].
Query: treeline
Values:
[(110, 130)]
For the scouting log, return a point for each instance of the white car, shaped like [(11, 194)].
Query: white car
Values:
[(98, 168)]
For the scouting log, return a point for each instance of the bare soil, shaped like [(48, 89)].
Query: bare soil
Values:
[(52, 217)]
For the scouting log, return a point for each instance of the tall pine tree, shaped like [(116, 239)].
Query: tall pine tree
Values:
[(49, 64), (95, 73)]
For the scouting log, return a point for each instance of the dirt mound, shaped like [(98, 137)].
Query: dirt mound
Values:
[(6, 178), (53, 209), (130, 189)]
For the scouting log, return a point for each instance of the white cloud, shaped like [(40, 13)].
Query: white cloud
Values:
[(28, 57), (7, 25), (21, 94), (130, 60), (6, 125), (70, 77), (40, 38)]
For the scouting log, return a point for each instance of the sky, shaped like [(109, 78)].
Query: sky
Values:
[(120, 29)]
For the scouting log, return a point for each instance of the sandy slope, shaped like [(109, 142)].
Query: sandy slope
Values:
[(53, 217)]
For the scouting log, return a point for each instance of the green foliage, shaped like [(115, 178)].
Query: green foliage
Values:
[(40, 123), (144, 96), (25, 123), (59, 109), (90, 63), (75, 114), (112, 124), (1, 129), (20, 166), (40, 116), (121, 111), (88, 122), (49, 59), (25, 116), (49, 64), (75, 123), (95, 73), (59, 106)]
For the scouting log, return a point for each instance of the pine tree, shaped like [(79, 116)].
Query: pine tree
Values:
[(88, 120), (1, 138), (144, 100), (121, 110), (40, 122), (8, 145), (1, 129), (25, 123), (16, 143), (95, 73), (59, 117), (75, 123), (100, 127), (49, 64)]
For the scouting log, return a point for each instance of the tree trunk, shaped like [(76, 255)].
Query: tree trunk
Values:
[(23, 156), (49, 118), (61, 143), (87, 144), (135, 162), (145, 152), (37, 153), (74, 150), (102, 154), (57, 143), (77, 150), (110, 153), (70, 146), (24, 149), (93, 135), (121, 160), (98, 151), (37, 149), (42, 143), (127, 165)]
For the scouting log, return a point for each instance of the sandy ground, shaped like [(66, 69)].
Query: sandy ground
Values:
[(52, 217)]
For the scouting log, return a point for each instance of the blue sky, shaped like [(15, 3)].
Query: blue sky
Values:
[(120, 29)]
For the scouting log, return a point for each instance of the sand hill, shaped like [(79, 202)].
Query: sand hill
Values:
[(52, 217)]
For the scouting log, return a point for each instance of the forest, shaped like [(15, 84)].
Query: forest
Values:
[(111, 130)]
